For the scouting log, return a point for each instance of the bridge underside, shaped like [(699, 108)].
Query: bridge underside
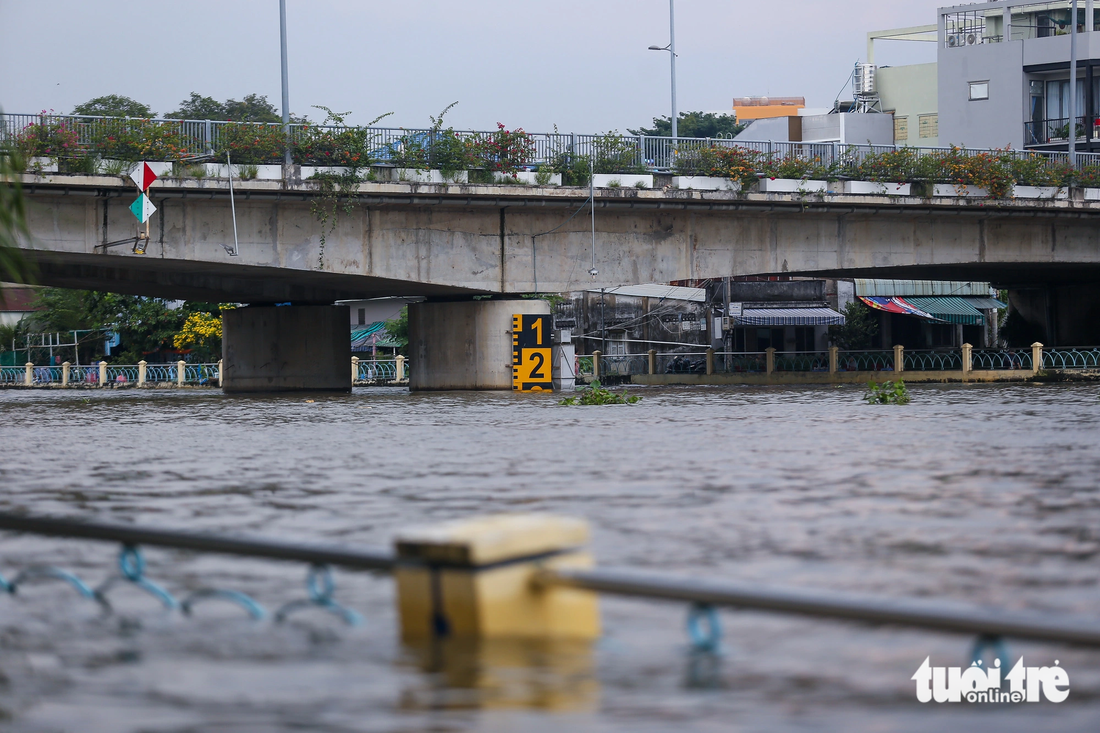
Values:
[(220, 281)]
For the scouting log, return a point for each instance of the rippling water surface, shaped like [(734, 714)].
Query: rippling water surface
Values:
[(972, 494)]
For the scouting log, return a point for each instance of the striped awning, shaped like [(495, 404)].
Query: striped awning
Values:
[(949, 309), (986, 303), (790, 317)]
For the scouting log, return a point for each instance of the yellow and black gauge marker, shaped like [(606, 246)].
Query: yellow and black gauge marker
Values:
[(531, 353)]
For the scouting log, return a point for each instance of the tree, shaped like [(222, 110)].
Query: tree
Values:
[(253, 108), (859, 329), (694, 124), (113, 105), (198, 107), (398, 329)]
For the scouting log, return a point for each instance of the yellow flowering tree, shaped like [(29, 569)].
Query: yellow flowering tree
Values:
[(202, 334)]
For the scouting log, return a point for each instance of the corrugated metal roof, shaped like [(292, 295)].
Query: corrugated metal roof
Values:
[(664, 292), (924, 288), (790, 317), (952, 310)]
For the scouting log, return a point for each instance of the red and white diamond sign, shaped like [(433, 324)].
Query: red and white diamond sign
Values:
[(143, 176)]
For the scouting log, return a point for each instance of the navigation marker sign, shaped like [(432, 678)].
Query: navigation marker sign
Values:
[(142, 208), (143, 176)]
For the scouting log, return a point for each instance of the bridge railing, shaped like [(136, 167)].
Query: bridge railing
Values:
[(52, 135)]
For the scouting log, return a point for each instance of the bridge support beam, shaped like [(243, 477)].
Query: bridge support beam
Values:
[(466, 344), (303, 348)]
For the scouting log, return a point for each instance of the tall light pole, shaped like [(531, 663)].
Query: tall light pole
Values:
[(286, 81), (671, 48)]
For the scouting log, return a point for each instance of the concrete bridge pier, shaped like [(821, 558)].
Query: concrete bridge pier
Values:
[(291, 348), (465, 344)]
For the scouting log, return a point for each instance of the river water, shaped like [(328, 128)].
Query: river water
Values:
[(969, 495)]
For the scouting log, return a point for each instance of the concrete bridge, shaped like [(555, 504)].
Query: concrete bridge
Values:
[(452, 242)]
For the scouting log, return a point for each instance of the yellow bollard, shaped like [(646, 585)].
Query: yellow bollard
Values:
[(181, 372), (399, 368), (102, 373), (141, 372), (28, 374), (65, 373), (476, 579), (1036, 357), (354, 369)]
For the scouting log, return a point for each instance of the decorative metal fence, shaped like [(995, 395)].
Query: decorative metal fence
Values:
[(13, 375), (755, 362), (161, 373), (1074, 357), (932, 361), (802, 361), (998, 360), (378, 371), (865, 361)]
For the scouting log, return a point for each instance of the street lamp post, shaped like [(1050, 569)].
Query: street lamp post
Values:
[(286, 81), (1073, 85), (671, 48)]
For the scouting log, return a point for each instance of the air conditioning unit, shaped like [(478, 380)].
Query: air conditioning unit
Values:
[(955, 40), (973, 39)]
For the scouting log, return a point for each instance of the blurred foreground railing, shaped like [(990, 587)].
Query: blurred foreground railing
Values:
[(537, 559)]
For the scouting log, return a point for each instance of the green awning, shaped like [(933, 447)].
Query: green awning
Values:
[(951, 309)]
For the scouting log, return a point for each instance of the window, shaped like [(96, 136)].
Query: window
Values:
[(901, 129), (979, 90), (362, 316), (929, 125)]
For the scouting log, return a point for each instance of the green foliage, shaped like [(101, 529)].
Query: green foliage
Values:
[(503, 151), (859, 329), (398, 329), (693, 124), (13, 219), (247, 142), (247, 172), (595, 394), (145, 326), (615, 153), (796, 167), (887, 393), (334, 142), (253, 108), (113, 105), (338, 194)]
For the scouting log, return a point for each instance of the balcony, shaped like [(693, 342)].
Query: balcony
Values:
[(1054, 133)]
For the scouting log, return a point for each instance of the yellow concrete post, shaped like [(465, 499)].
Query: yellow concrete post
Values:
[(181, 372), (834, 359), (28, 374), (1036, 357), (899, 358), (710, 361), (769, 359), (399, 375), (652, 361), (102, 374), (477, 579), (141, 372), (65, 373), (219, 372), (354, 369), (596, 364), (967, 358)]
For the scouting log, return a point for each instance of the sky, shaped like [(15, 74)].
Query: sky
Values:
[(583, 65)]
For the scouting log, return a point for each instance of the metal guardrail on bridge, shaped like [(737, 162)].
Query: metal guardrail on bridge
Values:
[(387, 144)]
